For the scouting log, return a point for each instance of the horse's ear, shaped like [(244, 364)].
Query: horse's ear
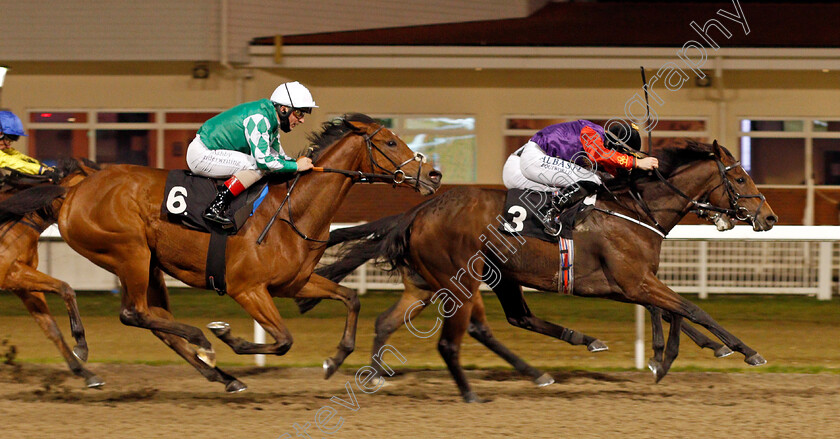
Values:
[(358, 127), (718, 152)]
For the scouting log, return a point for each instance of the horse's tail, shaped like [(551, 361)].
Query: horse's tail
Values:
[(373, 230), (385, 240), (29, 200)]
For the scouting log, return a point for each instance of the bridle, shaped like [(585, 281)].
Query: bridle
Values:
[(398, 176), (702, 206)]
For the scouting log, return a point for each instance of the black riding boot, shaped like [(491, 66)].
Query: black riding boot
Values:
[(567, 197), (216, 211)]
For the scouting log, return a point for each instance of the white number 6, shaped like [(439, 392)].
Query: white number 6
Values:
[(176, 203)]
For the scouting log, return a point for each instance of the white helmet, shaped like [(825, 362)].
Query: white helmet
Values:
[(294, 95)]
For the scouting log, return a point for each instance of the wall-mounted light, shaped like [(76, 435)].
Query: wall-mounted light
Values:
[(705, 81), (200, 71)]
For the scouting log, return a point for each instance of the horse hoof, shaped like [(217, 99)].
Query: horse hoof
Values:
[(81, 352), (218, 328), (471, 397), (329, 368), (756, 360), (544, 380), (94, 382), (597, 346), (207, 356), (235, 386), (656, 368), (723, 351)]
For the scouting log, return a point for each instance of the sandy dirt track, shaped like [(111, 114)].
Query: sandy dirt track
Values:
[(142, 401)]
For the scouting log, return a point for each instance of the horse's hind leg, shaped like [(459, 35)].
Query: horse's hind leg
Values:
[(37, 307), (449, 347), (321, 287), (135, 274), (25, 278), (159, 305), (412, 301), (480, 330), (518, 314)]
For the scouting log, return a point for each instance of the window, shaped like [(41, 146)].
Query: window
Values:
[(149, 138), (787, 151), (448, 142), (520, 129)]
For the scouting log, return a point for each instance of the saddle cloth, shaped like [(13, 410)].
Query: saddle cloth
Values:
[(521, 212), (186, 197)]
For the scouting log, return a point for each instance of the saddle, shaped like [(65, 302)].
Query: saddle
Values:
[(186, 197)]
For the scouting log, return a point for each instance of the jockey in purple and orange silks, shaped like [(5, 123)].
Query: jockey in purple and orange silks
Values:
[(563, 157)]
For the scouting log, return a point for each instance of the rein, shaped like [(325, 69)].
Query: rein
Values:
[(397, 177), (700, 206)]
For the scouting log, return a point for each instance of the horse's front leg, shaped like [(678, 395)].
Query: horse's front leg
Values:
[(657, 343), (701, 339), (257, 302), (25, 278), (320, 287), (37, 307), (652, 291)]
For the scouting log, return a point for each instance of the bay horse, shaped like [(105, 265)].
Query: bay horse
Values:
[(616, 257), (360, 244), (22, 220), (114, 219)]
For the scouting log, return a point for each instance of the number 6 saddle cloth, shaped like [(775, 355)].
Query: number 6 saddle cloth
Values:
[(186, 196), (524, 213)]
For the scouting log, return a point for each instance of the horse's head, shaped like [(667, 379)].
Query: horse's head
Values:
[(388, 153), (735, 196), (379, 154)]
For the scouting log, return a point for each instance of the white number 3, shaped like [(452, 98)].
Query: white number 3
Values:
[(519, 213), (176, 203)]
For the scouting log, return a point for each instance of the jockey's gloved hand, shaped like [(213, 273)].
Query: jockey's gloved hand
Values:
[(51, 175)]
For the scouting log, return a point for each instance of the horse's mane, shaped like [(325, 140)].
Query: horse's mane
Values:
[(67, 166), (672, 158), (332, 131)]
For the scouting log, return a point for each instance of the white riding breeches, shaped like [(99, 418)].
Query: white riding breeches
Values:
[(217, 163), (538, 171)]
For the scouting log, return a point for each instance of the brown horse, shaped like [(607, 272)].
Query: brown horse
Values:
[(362, 243), (616, 258), (20, 228), (114, 219)]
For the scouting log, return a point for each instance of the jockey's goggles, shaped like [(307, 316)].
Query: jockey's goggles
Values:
[(300, 112), (9, 137)]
